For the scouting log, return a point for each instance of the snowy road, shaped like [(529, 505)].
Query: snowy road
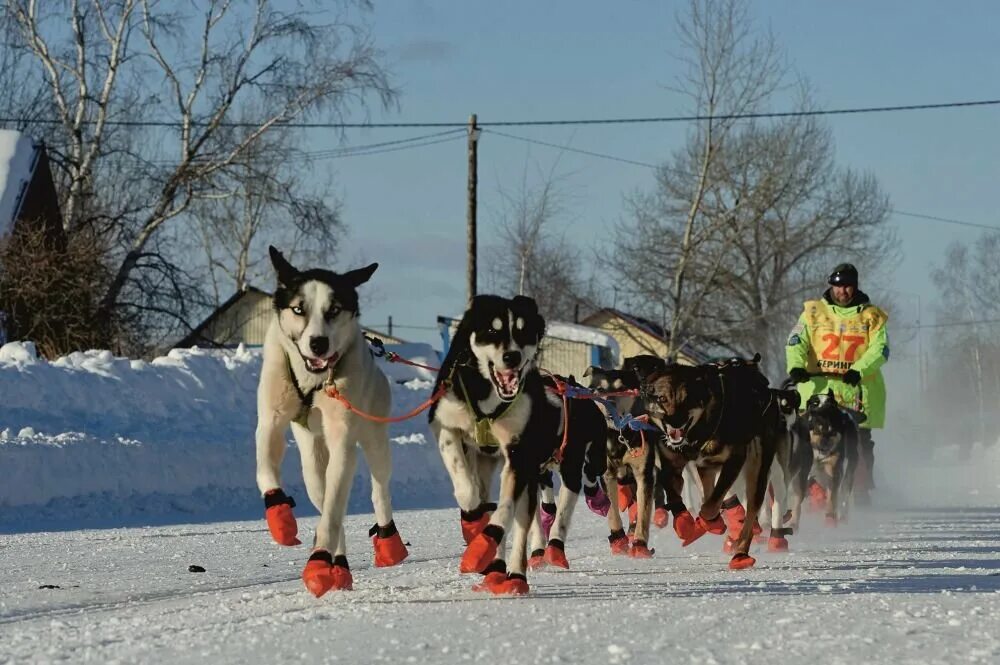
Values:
[(901, 588)]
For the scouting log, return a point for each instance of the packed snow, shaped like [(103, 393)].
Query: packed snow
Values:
[(95, 440), (118, 475)]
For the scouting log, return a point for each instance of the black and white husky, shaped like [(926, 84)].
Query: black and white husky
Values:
[(499, 408), (315, 339)]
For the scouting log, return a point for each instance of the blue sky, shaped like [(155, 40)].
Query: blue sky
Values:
[(587, 59)]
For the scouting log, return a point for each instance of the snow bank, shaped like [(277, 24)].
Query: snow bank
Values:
[(92, 438)]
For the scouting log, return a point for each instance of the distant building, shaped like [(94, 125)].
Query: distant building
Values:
[(566, 349), (638, 336), (243, 319), (27, 195)]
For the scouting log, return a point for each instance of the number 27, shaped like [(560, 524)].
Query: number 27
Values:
[(832, 351)]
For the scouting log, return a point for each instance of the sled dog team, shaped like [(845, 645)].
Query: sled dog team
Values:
[(650, 425)]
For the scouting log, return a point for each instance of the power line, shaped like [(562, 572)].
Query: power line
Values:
[(569, 149), (347, 150), (948, 324), (946, 220), (535, 123), (397, 148), (625, 160)]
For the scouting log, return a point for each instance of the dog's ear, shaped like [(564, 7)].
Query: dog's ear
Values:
[(590, 370), (829, 393), (286, 271), (531, 307), (358, 277)]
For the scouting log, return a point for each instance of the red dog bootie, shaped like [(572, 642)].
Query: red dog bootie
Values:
[(776, 541), (389, 547), (323, 572), (817, 496), (734, 515), (639, 550), (619, 542), (741, 561), (831, 521), (494, 575), (684, 526), (626, 497), (537, 560), (716, 525), (474, 521), (482, 550), (661, 517), (555, 554), (280, 519), (514, 585)]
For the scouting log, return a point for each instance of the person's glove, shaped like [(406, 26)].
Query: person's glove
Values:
[(798, 375), (852, 377)]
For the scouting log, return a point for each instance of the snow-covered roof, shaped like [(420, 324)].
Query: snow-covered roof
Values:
[(577, 333), (18, 157)]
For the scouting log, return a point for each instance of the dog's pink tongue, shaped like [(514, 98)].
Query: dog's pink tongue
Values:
[(509, 379), (675, 434)]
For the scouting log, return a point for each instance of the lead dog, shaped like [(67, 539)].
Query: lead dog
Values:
[(498, 408), (315, 338)]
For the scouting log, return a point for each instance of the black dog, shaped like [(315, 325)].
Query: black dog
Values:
[(498, 407)]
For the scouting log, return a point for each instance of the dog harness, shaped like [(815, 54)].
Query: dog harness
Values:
[(483, 432)]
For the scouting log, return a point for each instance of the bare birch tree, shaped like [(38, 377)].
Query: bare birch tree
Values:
[(533, 255), (111, 66), (744, 219)]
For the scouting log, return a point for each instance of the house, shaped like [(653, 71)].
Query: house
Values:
[(566, 349), (27, 194), (243, 319), (636, 336)]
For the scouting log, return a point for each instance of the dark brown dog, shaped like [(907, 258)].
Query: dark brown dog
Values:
[(723, 418)]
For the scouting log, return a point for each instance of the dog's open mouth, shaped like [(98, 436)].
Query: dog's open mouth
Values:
[(317, 365), (676, 435), (506, 381)]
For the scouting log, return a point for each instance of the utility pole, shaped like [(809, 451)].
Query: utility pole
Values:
[(471, 206), (389, 330)]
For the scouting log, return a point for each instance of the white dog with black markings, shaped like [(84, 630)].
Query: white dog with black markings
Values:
[(315, 340)]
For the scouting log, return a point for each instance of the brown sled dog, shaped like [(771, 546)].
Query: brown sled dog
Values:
[(631, 461), (724, 418)]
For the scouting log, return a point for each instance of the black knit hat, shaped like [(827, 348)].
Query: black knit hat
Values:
[(844, 275)]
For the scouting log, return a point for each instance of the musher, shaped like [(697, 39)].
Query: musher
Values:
[(844, 334)]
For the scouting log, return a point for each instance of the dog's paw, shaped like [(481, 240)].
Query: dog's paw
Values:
[(598, 503), (280, 518), (537, 560), (323, 572), (619, 542), (639, 550), (389, 547), (514, 585), (482, 550), (474, 521), (741, 561), (491, 581), (777, 544), (685, 527), (547, 517), (661, 517), (555, 554)]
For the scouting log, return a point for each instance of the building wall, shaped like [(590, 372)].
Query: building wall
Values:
[(245, 322), (632, 340)]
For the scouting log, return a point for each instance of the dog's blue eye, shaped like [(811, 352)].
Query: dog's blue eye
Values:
[(298, 311)]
